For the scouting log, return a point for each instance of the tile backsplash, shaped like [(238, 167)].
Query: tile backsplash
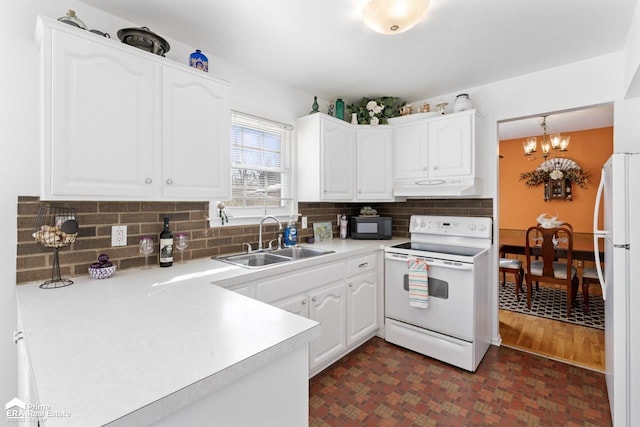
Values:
[(34, 262)]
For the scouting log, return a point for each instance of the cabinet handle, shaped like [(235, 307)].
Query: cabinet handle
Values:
[(314, 299), (435, 168), (304, 301), (351, 284), (364, 264), (17, 336), (148, 181), (169, 181), (424, 168)]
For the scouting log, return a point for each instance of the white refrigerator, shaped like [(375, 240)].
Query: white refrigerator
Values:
[(619, 193)]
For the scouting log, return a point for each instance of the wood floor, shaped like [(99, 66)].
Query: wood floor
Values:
[(578, 345)]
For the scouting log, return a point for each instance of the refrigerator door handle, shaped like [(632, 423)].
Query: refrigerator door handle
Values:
[(599, 234)]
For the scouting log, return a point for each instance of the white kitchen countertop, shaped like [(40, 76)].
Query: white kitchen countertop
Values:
[(144, 343)]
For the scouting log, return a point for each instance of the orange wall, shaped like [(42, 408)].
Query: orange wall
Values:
[(520, 205)]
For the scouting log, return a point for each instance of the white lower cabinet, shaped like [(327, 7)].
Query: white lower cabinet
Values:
[(361, 306), (342, 296), (328, 306)]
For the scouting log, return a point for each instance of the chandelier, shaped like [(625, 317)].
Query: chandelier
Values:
[(393, 16), (554, 142)]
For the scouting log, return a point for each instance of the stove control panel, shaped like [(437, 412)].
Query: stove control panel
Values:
[(480, 227)]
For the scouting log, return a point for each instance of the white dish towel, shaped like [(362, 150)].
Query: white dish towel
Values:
[(418, 283)]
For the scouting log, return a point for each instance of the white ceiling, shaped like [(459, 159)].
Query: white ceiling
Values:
[(322, 47)]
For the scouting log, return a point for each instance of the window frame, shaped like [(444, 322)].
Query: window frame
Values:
[(236, 215)]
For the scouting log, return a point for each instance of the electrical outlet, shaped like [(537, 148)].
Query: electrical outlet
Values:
[(119, 235), (579, 263), (304, 222), (338, 219)]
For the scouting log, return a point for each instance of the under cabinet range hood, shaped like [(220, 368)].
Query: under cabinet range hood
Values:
[(445, 187)]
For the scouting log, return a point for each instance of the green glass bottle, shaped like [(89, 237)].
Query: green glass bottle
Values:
[(315, 106), (340, 109)]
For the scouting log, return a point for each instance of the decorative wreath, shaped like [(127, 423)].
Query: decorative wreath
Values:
[(556, 169)]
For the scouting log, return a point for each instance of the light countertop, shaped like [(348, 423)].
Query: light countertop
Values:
[(132, 348)]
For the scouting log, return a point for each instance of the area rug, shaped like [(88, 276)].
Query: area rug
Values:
[(551, 303)]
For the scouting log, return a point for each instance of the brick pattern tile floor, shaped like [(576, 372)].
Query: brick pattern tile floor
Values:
[(381, 384)]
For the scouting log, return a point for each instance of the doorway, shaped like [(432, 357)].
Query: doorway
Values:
[(591, 132)]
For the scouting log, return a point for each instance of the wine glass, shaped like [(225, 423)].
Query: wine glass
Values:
[(146, 249), (182, 242)]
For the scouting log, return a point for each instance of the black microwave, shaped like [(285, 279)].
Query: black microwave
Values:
[(370, 227)]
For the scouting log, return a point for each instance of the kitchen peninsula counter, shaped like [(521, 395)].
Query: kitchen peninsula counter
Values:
[(144, 344)]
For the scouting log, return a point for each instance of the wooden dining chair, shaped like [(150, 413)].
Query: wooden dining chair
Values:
[(589, 277), (512, 266), (541, 259)]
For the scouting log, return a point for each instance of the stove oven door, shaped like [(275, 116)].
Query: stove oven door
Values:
[(451, 296)]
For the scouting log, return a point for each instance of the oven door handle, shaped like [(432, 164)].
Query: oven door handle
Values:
[(430, 261)]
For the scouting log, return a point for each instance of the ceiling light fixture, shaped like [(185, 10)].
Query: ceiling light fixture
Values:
[(393, 16), (553, 142)]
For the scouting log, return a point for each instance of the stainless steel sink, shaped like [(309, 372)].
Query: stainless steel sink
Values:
[(300, 252), (267, 258), (257, 259)]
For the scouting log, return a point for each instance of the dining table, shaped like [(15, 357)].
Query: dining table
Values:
[(582, 247)]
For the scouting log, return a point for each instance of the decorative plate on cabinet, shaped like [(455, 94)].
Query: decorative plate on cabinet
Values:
[(144, 39)]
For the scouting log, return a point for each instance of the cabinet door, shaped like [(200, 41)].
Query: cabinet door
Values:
[(338, 160), (296, 304), (374, 177), (101, 107), (411, 151), (451, 146), (362, 302), (196, 123), (328, 306)]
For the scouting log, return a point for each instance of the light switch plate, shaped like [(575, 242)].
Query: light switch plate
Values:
[(119, 235), (304, 222)]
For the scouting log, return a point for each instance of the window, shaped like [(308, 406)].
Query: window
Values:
[(261, 169)]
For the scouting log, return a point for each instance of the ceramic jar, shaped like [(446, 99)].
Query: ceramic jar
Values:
[(198, 60), (72, 19), (462, 103)]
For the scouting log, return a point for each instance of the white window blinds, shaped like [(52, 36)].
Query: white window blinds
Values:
[(260, 163)]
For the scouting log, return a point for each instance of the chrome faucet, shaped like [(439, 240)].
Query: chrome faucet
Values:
[(260, 233)]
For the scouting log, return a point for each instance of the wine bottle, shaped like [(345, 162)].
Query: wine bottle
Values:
[(166, 245)]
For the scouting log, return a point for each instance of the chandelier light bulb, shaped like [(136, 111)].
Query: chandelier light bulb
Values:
[(546, 147), (393, 16), (530, 145)]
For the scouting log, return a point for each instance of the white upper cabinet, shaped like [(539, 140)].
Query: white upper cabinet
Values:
[(451, 147), (436, 156), (337, 157), (338, 161), (119, 123), (374, 175), (99, 120), (326, 158), (411, 150), (196, 136)]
